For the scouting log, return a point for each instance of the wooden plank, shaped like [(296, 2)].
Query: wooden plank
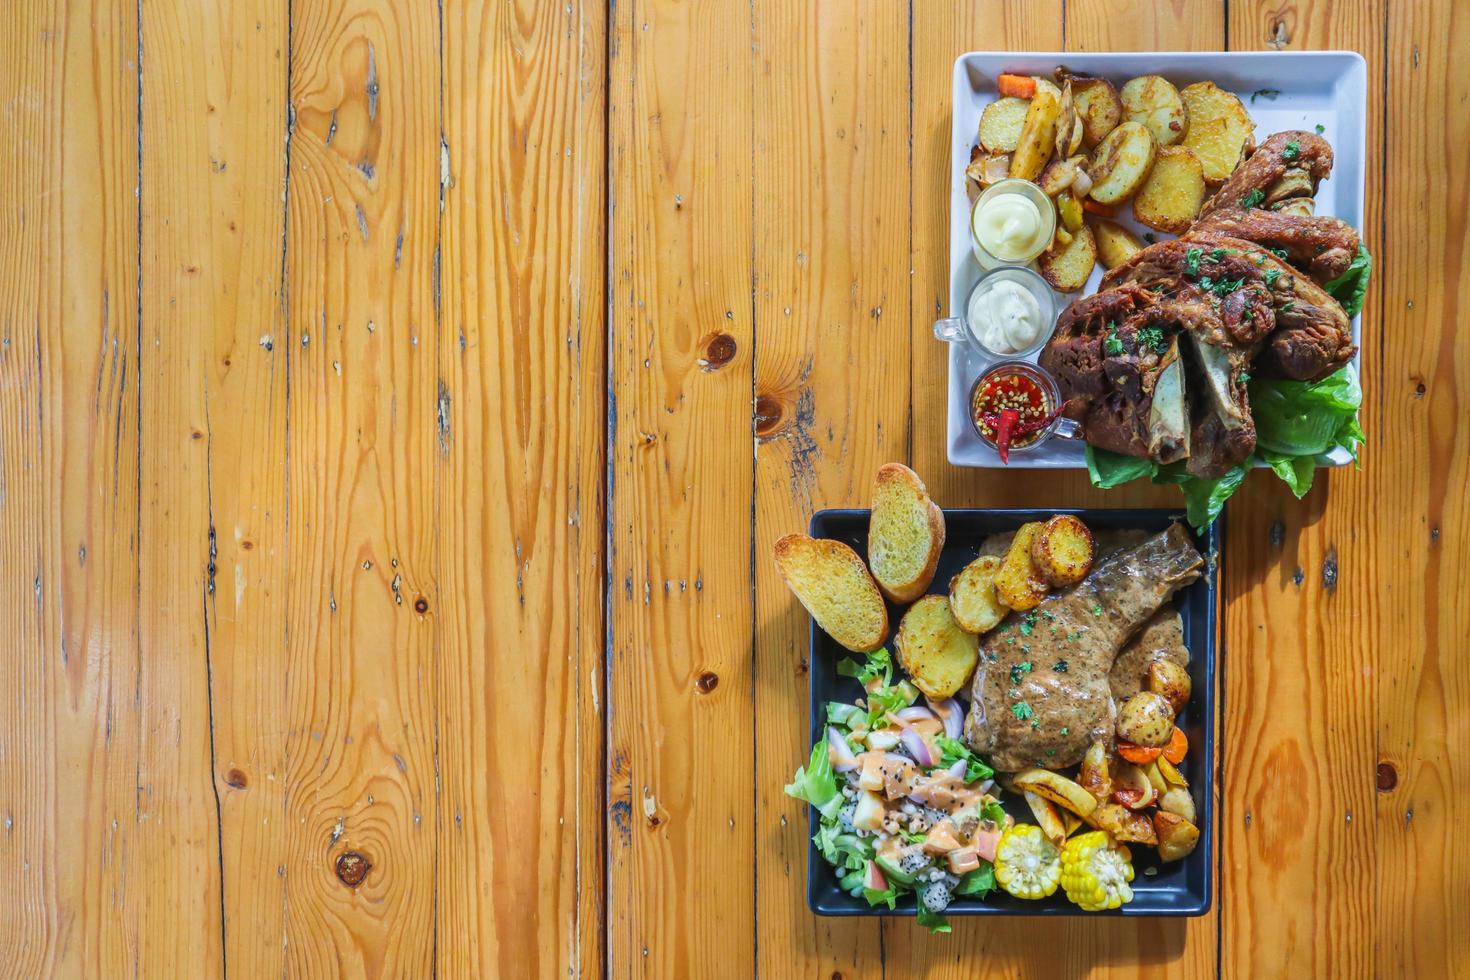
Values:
[(365, 430), (519, 596), (1145, 25), (71, 891), (1016, 947), (1417, 614), (831, 383), (681, 831), (217, 149), (1299, 734)]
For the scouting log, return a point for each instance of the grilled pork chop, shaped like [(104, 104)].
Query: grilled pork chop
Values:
[(1041, 694)]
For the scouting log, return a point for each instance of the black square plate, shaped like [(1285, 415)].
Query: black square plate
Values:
[(1177, 888)]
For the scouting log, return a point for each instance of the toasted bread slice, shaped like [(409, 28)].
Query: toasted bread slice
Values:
[(834, 585), (932, 648), (906, 534), (972, 597)]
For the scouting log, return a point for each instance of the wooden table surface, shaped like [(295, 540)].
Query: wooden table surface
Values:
[(399, 402)]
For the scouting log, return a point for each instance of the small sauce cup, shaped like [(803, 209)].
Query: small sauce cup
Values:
[(1028, 390), (964, 331), (1046, 216)]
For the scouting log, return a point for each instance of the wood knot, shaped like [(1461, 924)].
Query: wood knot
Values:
[(1388, 777), (768, 415), (236, 779), (707, 681), (247, 544), (352, 868), (719, 350), (421, 605)]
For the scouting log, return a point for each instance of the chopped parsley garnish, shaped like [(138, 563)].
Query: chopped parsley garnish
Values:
[(1060, 666), (1280, 253), (1225, 286), (1112, 346), (1035, 724), (1050, 753), (1287, 305), (1022, 710), (1265, 93), (1011, 640), (1028, 623), (1074, 637), (1014, 694), (1065, 729), (1271, 276), (1216, 254), (1191, 262), (1153, 337), (1097, 609), (1291, 151), (1020, 670), (1243, 377), (1320, 129), (1048, 614), (1150, 237), (1026, 647), (1253, 198), (1205, 282)]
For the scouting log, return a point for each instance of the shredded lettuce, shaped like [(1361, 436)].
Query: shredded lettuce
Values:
[(953, 750), (878, 663), (888, 896), (979, 882), (816, 784), (933, 921), (1350, 287), (842, 848), (844, 715), (994, 812)]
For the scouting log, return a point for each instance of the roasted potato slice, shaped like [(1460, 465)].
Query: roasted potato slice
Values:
[(1095, 773), (1067, 268), (1047, 817), (1145, 719), (1018, 584), (1048, 86), (1001, 122), (1124, 824), (1121, 163), (1171, 197), (1220, 131), (1063, 550), (1168, 678), (1038, 135), (1177, 837), (1155, 102), (1115, 244), (1179, 801), (933, 650), (1098, 106), (1058, 175), (972, 597), (1154, 776), (1057, 788)]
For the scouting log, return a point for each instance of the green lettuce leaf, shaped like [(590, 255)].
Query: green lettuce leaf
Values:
[(979, 882), (1302, 418), (1350, 287), (878, 663), (933, 921), (953, 750), (816, 784), (840, 847), (1296, 471), (994, 812), (1108, 469), (888, 896)]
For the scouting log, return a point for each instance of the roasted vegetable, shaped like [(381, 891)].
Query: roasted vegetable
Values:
[(1155, 102), (1069, 211), (1124, 824), (1176, 836), (1058, 175), (1001, 122), (1115, 244), (1038, 135), (1178, 801), (1096, 872), (987, 169), (972, 597), (1067, 268), (1098, 106), (1094, 774), (1057, 788), (1169, 678), (1138, 754), (1047, 818), (1066, 122), (937, 654), (1177, 748), (1171, 775), (1220, 130), (1018, 86), (1027, 865), (1145, 719), (1132, 788), (1171, 197), (1063, 550), (1018, 583), (1121, 163)]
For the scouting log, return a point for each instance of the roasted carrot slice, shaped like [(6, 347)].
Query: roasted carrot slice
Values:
[(1139, 754), (1021, 86), (1178, 746), (1098, 207)]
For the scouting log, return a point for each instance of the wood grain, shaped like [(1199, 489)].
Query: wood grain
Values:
[(681, 883), (832, 381), (1299, 662), (518, 600), (71, 892)]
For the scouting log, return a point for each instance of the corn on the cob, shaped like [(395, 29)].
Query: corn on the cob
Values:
[(1027, 865), (1096, 872)]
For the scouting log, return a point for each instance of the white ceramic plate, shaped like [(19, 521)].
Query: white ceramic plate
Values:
[(1292, 90)]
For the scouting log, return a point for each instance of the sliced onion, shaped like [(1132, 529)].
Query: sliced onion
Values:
[(986, 786), (953, 716), (913, 713), (1082, 183), (840, 752), (914, 742), (958, 769)]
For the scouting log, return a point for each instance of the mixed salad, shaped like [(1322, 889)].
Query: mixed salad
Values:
[(905, 806)]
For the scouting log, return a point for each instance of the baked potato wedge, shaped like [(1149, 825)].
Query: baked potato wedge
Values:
[(1220, 131), (1057, 788), (1047, 817), (1095, 773), (937, 655), (1018, 584), (1098, 106), (1124, 824), (1170, 198), (1168, 678), (1145, 719), (1038, 135), (1180, 802), (1121, 162), (1115, 244), (1155, 102), (1068, 267), (1176, 836), (1063, 550), (1001, 122), (972, 597)]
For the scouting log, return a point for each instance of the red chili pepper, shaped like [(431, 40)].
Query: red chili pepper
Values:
[(1008, 420), (1021, 428)]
